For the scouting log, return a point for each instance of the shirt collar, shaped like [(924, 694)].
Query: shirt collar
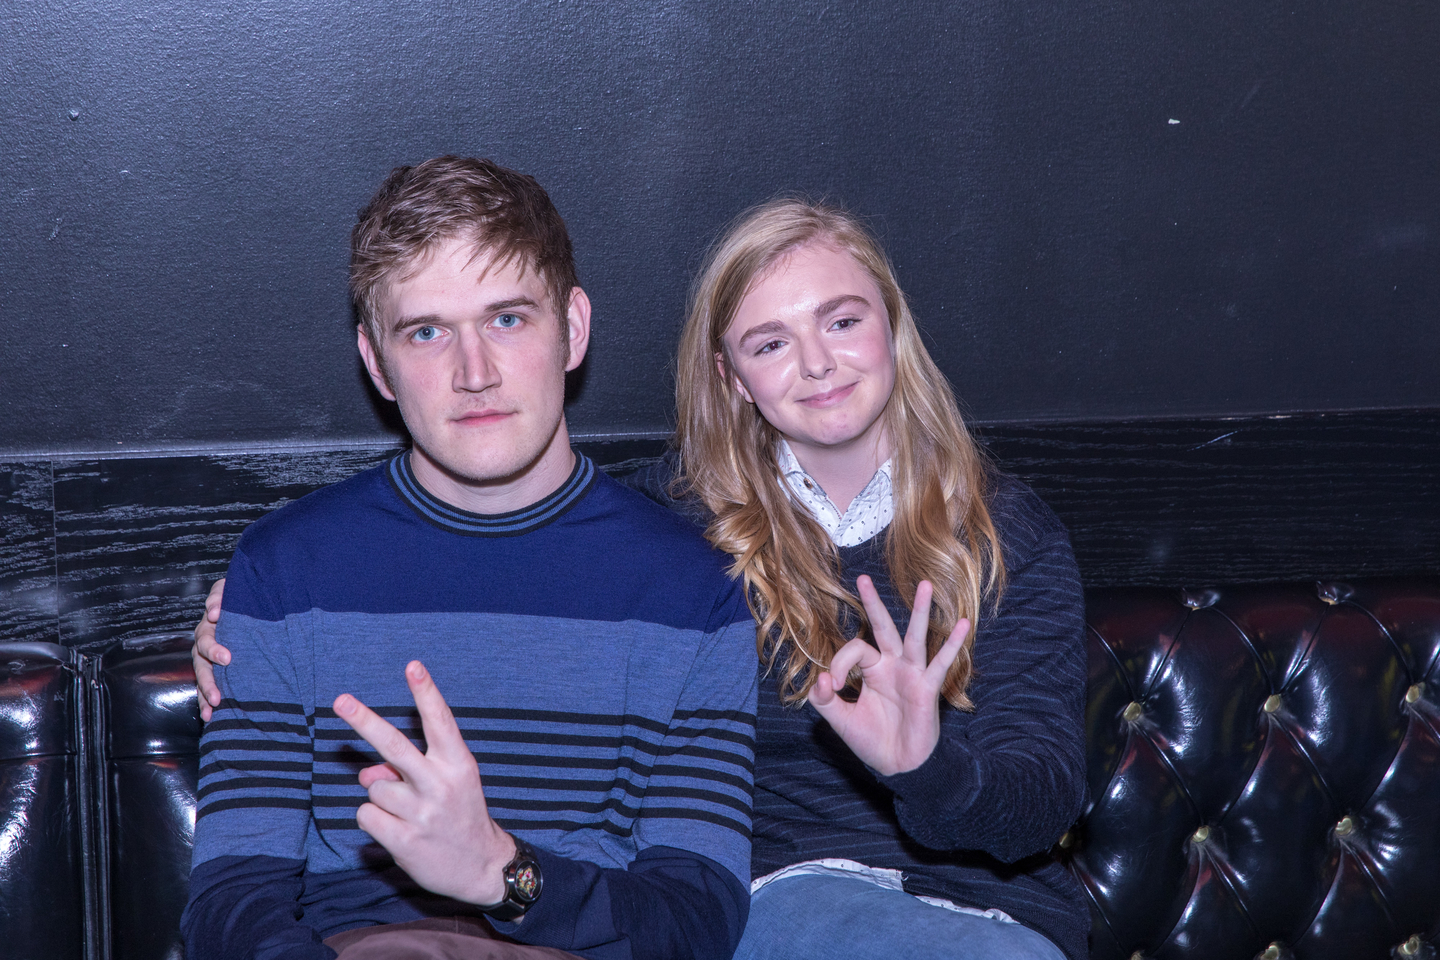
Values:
[(514, 523), (869, 513)]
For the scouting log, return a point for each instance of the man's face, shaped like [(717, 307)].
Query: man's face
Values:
[(473, 354)]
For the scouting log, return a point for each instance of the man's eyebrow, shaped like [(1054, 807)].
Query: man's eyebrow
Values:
[(761, 330), (404, 323)]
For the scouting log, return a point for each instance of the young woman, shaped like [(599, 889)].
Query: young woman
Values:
[(909, 787)]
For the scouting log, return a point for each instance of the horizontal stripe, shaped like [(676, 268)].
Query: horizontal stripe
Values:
[(214, 765), (252, 783), (224, 724), (518, 824), (259, 706), (251, 803), (277, 746)]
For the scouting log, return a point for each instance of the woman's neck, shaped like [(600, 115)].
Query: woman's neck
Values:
[(843, 471)]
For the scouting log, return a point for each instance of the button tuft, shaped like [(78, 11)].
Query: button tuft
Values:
[(1410, 947), (1201, 834), (1133, 711), (1199, 599), (1272, 703), (1345, 827), (1272, 952), (1415, 692)]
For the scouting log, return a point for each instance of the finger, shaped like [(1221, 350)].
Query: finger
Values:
[(823, 691), (395, 797), (856, 653), (392, 745), (824, 696), (949, 650), (384, 827), (374, 774), (207, 646), (205, 681), (917, 633), (442, 733), (886, 636), (213, 600)]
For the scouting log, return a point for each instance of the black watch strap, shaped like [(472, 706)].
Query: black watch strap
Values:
[(523, 882)]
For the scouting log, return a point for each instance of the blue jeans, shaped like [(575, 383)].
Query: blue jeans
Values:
[(825, 917)]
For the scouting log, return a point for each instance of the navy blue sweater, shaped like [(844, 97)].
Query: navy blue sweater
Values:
[(601, 668), (976, 822)]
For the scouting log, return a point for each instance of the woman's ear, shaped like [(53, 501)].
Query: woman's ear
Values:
[(730, 376)]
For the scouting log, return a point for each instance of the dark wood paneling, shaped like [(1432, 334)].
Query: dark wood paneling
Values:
[(140, 541), (27, 554), (1194, 502)]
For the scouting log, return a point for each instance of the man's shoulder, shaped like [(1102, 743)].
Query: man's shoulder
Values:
[(340, 509), (648, 525)]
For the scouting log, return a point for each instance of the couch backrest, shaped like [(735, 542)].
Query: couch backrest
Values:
[(1264, 769)]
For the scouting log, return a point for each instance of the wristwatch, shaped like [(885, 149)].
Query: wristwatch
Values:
[(522, 884)]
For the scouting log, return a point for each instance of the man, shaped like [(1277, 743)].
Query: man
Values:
[(599, 664)]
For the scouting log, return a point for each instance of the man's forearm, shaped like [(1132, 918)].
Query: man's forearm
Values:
[(246, 908)]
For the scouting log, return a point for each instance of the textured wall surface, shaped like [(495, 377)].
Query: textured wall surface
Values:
[(1112, 208)]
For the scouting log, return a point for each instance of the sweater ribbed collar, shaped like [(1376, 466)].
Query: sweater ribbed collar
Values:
[(512, 524)]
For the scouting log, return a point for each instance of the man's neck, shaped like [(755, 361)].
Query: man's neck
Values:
[(531, 484)]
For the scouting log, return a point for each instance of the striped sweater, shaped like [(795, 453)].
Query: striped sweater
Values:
[(601, 668), (977, 821)]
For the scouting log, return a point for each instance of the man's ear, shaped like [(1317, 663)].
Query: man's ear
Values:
[(730, 376), (373, 366), (577, 327)]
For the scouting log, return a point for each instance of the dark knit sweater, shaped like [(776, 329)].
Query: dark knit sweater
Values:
[(976, 822)]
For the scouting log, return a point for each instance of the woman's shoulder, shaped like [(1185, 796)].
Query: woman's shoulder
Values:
[(655, 478), (1024, 523)]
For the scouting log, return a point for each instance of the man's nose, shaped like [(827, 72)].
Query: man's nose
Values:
[(476, 370)]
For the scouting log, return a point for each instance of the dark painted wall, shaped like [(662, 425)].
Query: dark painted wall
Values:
[(1119, 208)]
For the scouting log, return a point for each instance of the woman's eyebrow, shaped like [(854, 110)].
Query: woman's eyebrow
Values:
[(835, 303), (762, 330)]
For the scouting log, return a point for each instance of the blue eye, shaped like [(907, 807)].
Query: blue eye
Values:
[(770, 346), (507, 321), (425, 334)]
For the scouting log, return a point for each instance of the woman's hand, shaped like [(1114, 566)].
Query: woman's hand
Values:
[(208, 652), (895, 724)]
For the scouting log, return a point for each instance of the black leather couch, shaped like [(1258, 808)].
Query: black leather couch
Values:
[(1264, 779)]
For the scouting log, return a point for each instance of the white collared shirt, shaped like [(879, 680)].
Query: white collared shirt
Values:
[(869, 513)]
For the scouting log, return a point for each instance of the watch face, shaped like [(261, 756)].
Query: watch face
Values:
[(527, 880)]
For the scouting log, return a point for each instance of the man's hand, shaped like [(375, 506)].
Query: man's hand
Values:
[(895, 724), (429, 809), (208, 652)]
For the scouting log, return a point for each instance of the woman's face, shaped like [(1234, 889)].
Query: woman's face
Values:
[(811, 347)]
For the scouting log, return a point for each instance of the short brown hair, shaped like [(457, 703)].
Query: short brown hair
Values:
[(494, 207)]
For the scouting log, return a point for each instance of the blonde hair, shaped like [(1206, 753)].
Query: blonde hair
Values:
[(941, 531)]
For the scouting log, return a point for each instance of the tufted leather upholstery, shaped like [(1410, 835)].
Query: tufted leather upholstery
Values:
[(1264, 776), (1264, 772)]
